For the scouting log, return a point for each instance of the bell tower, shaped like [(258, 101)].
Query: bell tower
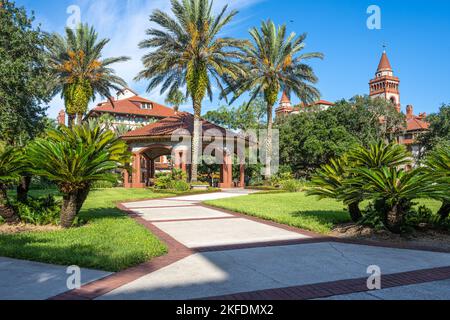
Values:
[(386, 85)]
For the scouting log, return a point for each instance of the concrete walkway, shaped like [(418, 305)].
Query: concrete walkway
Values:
[(26, 280), (238, 257)]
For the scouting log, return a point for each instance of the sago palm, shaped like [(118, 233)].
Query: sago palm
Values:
[(79, 71), (379, 155), (395, 188), (274, 62), (74, 159), (438, 167), (186, 50), (12, 163), (327, 182)]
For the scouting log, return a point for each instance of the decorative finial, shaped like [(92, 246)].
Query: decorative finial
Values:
[(384, 47)]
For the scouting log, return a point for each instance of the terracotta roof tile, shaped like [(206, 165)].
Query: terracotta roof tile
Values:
[(131, 106), (414, 124), (384, 63), (167, 126)]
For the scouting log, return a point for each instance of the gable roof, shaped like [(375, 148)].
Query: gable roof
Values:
[(415, 124), (132, 106), (168, 126)]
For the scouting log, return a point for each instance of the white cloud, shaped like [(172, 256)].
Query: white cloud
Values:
[(125, 23)]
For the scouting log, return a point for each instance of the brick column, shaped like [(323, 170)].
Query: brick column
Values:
[(137, 183), (227, 172), (242, 176)]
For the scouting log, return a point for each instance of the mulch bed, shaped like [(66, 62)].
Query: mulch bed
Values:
[(429, 238), (21, 228)]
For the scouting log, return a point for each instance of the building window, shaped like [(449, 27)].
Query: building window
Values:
[(146, 106)]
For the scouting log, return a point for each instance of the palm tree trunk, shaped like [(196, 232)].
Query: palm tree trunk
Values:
[(355, 212), (23, 188), (70, 120), (79, 119), (269, 146), (444, 212), (69, 209), (81, 197), (394, 219), (6, 212), (196, 141)]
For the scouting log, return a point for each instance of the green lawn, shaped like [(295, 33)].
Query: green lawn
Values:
[(110, 241), (295, 209)]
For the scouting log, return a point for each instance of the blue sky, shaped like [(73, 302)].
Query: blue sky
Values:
[(416, 34)]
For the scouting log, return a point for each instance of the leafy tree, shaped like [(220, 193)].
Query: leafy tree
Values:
[(368, 119), (175, 99), (438, 167), (244, 117), (273, 62), (309, 140), (75, 158), (11, 166), (186, 49), (439, 132), (79, 71), (23, 76)]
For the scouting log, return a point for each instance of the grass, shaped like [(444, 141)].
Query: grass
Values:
[(296, 209), (110, 241)]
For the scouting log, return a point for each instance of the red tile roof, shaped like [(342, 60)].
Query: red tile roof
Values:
[(132, 106), (384, 63), (168, 126), (415, 124)]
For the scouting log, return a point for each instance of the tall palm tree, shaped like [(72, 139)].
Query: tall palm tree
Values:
[(438, 166), (74, 159), (274, 63), (175, 99), (12, 164), (186, 50), (79, 71)]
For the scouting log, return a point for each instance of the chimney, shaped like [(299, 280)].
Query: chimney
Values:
[(61, 118), (409, 111)]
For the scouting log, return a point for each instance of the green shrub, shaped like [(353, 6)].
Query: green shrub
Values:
[(291, 185), (163, 181), (421, 216), (39, 211), (103, 185), (2, 220), (181, 186)]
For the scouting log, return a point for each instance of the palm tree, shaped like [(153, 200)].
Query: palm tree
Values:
[(74, 159), (379, 155), (327, 182), (79, 71), (438, 166), (187, 51), (12, 164), (274, 62), (394, 189), (175, 99)]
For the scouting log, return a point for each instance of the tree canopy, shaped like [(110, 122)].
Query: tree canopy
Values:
[(23, 75)]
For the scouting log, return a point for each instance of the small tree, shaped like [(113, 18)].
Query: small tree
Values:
[(438, 167), (11, 166), (74, 159)]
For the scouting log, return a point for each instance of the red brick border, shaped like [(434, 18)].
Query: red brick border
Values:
[(95, 289), (341, 287), (178, 251)]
